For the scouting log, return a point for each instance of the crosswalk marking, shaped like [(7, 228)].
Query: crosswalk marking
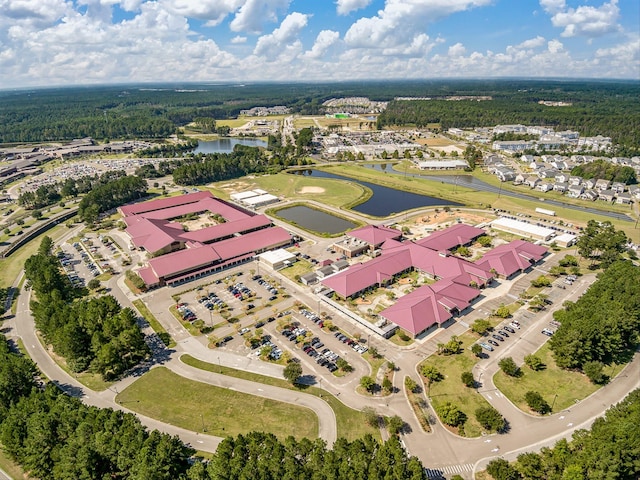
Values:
[(449, 469)]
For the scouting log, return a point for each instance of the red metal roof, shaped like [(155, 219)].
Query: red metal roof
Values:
[(361, 276), (163, 203), (449, 238), (512, 257), (222, 230), (375, 234), (183, 261), (430, 304), (260, 240), (148, 277)]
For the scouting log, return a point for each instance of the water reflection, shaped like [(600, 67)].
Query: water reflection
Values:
[(384, 201), (226, 144), (315, 220)]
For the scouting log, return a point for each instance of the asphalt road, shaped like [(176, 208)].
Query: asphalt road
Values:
[(485, 187), (439, 450)]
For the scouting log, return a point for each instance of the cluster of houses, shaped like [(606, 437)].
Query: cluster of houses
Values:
[(548, 139), (549, 173)]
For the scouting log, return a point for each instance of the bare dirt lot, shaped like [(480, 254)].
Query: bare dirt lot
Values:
[(315, 190)]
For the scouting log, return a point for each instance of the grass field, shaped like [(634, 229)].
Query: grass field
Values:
[(451, 389), (170, 398), (336, 192), (568, 385), (474, 198), (351, 423), (10, 467), (301, 267), (12, 265)]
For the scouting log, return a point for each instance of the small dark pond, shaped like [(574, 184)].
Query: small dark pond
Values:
[(315, 220), (225, 145), (384, 201)]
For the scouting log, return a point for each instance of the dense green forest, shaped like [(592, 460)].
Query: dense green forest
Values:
[(610, 450), (213, 167), (155, 111), (111, 195), (56, 437), (602, 326), (93, 334)]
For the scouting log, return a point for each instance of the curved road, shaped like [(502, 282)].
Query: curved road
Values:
[(437, 450)]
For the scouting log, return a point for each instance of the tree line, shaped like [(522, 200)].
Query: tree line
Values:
[(49, 194), (92, 334), (606, 171), (57, 437), (602, 326), (608, 451), (606, 111), (201, 169), (110, 195)]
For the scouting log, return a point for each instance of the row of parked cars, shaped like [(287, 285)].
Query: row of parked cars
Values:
[(313, 317), (351, 342), (87, 259), (270, 288), (212, 301), (240, 291), (186, 313), (67, 263), (500, 336)]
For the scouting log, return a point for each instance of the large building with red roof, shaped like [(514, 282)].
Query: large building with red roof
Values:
[(458, 280), (179, 255)]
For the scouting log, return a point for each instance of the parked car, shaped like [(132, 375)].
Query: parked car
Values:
[(486, 346)]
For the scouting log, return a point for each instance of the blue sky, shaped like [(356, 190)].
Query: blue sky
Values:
[(61, 42)]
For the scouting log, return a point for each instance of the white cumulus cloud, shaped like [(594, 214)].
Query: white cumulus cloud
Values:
[(457, 50), (344, 7), (585, 20), (286, 35), (324, 41), (401, 20), (255, 13)]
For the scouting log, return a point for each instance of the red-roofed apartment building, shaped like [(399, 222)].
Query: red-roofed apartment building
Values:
[(181, 256)]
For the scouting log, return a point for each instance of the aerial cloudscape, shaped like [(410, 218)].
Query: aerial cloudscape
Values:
[(65, 42)]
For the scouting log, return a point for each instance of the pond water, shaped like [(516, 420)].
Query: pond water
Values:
[(315, 220), (226, 144), (384, 201)]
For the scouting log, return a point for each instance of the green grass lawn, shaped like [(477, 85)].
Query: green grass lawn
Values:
[(336, 192), (12, 265), (568, 385), (10, 467), (451, 389), (153, 322), (163, 395), (351, 423), (301, 267)]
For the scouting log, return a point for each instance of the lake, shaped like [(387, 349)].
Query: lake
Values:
[(385, 201), (226, 144), (315, 220)]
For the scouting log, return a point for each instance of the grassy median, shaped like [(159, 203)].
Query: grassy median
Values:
[(170, 398), (351, 423)]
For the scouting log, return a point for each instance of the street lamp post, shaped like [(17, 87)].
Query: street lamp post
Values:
[(554, 401), (204, 429)]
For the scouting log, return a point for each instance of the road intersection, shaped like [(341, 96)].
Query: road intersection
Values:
[(440, 450)]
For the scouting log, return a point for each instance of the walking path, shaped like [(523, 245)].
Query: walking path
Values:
[(440, 450)]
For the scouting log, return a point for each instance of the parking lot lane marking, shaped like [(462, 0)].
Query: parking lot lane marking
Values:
[(489, 397), (561, 417), (570, 424)]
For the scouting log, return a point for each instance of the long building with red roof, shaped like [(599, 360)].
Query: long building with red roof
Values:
[(180, 255), (457, 283)]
